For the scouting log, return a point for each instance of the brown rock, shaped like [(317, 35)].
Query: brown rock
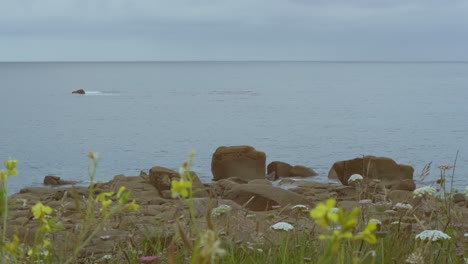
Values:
[(243, 162), (56, 181), (80, 91), (161, 178), (279, 168), (400, 196), (302, 171), (458, 198), (264, 196), (387, 170), (260, 181)]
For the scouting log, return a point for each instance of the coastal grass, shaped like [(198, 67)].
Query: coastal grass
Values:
[(325, 234)]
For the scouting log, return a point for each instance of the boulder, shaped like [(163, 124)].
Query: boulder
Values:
[(264, 196), (56, 181), (392, 175), (161, 178), (279, 168), (243, 162), (301, 171), (80, 91)]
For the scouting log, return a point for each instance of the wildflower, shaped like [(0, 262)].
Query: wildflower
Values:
[(107, 257), (148, 259), (432, 235), (367, 234), (3, 176), (300, 207), (10, 166), (12, 247), (336, 236), (282, 226), (465, 235), (132, 206), (106, 237), (354, 178), (445, 167), (427, 190), (323, 215), (180, 188), (365, 201), (210, 246), (404, 206), (93, 155), (105, 202), (222, 209), (375, 221), (415, 258), (334, 210), (40, 211)]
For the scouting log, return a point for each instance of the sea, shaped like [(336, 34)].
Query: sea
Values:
[(137, 115)]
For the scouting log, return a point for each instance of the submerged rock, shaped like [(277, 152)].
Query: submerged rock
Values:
[(80, 91)]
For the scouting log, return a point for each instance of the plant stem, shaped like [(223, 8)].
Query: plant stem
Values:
[(5, 215)]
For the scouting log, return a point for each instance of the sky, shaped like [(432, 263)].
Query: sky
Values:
[(185, 30)]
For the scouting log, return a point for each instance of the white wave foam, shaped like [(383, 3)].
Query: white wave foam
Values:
[(95, 93)]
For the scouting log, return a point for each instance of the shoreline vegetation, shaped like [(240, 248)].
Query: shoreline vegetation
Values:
[(166, 216)]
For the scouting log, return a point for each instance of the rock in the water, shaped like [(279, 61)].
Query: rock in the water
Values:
[(243, 162), (392, 175), (264, 196), (80, 91), (301, 171), (279, 168), (55, 181)]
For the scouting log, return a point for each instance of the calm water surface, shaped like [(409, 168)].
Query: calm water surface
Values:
[(139, 115)]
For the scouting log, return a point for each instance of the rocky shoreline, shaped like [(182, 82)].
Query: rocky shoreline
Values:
[(243, 182)]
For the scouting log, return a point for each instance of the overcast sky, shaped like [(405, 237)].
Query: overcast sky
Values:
[(86, 30)]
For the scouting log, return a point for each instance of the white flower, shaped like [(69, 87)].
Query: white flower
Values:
[(282, 226), (222, 209), (415, 258), (465, 235), (432, 235), (466, 191), (365, 201), (355, 177), (405, 206), (107, 257), (395, 223), (300, 207), (334, 210), (466, 260), (211, 246), (375, 221), (105, 237), (427, 190)]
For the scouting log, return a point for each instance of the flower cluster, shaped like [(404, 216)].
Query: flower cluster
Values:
[(210, 247), (424, 191), (354, 178), (183, 187), (282, 226), (10, 170), (403, 206), (122, 197), (432, 235), (328, 217), (220, 210), (445, 167)]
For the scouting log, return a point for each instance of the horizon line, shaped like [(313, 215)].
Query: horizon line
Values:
[(231, 61)]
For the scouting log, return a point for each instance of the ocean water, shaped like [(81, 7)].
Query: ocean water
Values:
[(139, 115)]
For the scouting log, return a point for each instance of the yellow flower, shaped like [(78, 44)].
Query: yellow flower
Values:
[(180, 188), (348, 219), (102, 198), (367, 234), (40, 211), (12, 247), (323, 213), (10, 166), (132, 206)]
